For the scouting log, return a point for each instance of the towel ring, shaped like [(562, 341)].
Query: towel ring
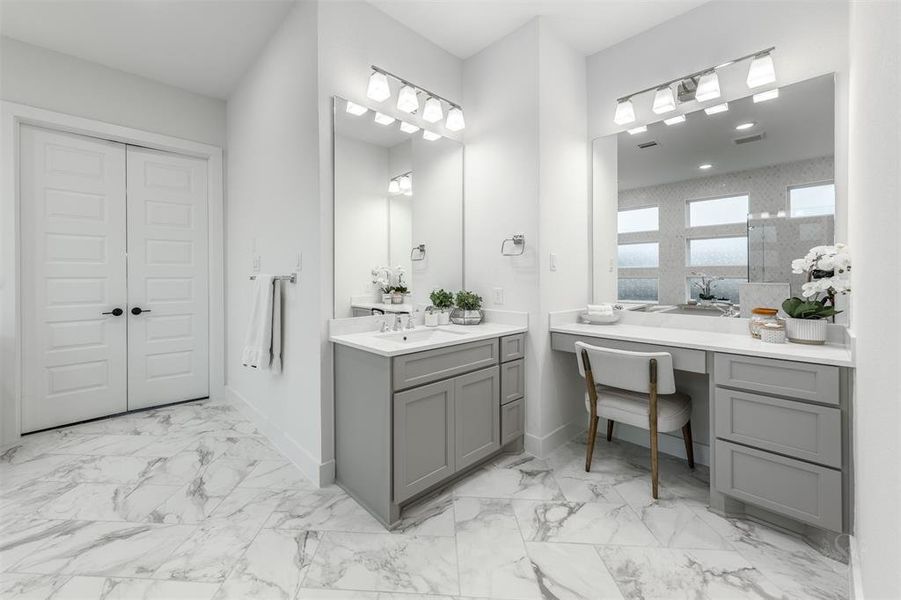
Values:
[(519, 241), (421, 249)]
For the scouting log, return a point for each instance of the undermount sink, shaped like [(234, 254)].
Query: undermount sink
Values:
[(422, 335)]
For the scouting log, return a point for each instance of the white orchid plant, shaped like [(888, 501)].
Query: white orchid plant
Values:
[(828, 270), (389, 279)]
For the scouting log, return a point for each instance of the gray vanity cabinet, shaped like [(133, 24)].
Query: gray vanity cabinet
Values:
[(477, 412)]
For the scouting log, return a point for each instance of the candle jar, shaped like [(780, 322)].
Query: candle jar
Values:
[(773, 333), (759, 318)]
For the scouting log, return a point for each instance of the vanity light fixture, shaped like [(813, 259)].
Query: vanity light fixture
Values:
[(355, 109), (430, 136), (401, 184), (717, 109), (705, 166), (408, 127), (762, 71), (708, 87), (378, 89), (767, 95), (394, 186), (383, 119), (637, 130), (664, 101), (405, 183), (432, 112), (625, 112), (675, 120), (745, 126), (455, 121), (407, 99)]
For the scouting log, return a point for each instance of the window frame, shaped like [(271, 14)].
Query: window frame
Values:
[(788, 197), (691, 201), (644, 231)]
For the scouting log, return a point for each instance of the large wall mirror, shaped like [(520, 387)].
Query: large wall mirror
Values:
[(726, 198), (398, 213)]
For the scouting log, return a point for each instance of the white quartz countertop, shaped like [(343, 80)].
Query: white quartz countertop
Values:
[(735, 343), (396, 343)]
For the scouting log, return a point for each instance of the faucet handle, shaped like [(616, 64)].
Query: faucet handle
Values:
[(410, 324)]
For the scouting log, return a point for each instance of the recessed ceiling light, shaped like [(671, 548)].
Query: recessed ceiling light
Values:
[(743, 126), (717, 108), (705, 166), (768, 95), (637, 130), (675, 120)]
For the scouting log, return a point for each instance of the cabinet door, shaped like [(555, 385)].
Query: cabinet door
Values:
[(477, 414), (423, 438)]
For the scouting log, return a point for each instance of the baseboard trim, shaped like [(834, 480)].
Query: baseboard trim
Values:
[(321, 474), (855, 579), (667, 444), (543, 446)]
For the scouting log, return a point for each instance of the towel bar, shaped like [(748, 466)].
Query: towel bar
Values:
[(292, 277), (519, 241), (421, 249)]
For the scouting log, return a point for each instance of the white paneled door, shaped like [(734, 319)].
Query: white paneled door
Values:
[(168, 340), (114, 278), (72, 191)]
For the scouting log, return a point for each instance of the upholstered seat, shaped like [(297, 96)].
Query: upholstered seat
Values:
[(633, 408)]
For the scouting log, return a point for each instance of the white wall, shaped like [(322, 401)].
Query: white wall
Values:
[(59, 82), (875, 189), (273, 212)]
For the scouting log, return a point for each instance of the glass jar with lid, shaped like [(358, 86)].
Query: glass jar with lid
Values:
[(760, 316)]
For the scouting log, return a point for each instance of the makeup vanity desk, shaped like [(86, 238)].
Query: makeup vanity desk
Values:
[(779, 414)]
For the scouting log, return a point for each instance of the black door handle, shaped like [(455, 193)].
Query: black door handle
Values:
[(138, 310), (116, 312)]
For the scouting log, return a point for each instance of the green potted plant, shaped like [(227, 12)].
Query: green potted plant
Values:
[(468, 309), (443, 301), (828, 270)]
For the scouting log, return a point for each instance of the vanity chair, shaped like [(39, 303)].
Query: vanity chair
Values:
[(636, 388)]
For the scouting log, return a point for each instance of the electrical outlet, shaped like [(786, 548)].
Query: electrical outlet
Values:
[(498, 296), (257, 264)]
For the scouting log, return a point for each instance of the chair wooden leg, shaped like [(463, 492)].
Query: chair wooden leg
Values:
[(592, 434), (609, 430), (654, 463), (689, 447)]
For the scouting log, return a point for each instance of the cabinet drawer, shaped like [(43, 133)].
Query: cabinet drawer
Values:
[(513, 380), (806, 431), (806, 492), (513, 421), (513, 347), (424, 367), (684, 359), (806, 381)]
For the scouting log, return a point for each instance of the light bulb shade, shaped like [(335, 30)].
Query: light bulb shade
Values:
[(717, 108), (378, 89), (407, 99), (406, 183), (455, 120), (394, 186), (625, 112), (408, 127), (637, 130), (355, 109), (767, 95), (432, 112), (664, 101), (708, 87), (430, 136), (675, 120), (761, 71), (383, 119)]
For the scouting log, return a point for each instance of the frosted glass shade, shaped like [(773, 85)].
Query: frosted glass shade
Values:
[(407, 100), (406, 183), (394, 186), (708, 87), (383, 119), (625, 112), (408, 127), (761, 72), (432, 112), (355, 109), (378, 89), (430, 136), (717, 108), (664, 101), (767, 95), (455, 120)]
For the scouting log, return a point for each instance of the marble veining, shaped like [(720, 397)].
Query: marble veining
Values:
[(191, 502)]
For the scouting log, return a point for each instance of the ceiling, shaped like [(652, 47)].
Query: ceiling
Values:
[(797, 125), (464, 27), (202, 46)]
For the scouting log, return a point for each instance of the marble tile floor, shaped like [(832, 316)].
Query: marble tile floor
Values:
[(191, 502)]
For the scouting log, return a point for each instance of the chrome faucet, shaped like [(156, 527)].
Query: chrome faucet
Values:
[(384, 327), (410, 324), (397, 323)]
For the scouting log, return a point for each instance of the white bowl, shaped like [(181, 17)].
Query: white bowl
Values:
[(600, 319)]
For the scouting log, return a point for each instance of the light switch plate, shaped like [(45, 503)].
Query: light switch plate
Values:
[(553, 261), (498, 296)]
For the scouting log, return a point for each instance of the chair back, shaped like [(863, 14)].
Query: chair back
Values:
[(627, 370)]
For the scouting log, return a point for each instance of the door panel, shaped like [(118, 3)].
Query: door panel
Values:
[(168, 352), (477, 414), (73, 269)]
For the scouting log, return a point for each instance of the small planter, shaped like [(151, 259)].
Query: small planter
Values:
[(444, 316), (466, 317), (386, 298), (432, 319), (806, 331), (397, 298)]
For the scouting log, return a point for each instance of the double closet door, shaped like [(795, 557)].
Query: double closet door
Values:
[(114, 278)]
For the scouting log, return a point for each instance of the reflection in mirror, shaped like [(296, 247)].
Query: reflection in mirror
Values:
[(710, 212), (398, 214)]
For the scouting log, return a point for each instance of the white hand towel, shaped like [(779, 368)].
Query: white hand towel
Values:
[(277, 325), (258, 341)]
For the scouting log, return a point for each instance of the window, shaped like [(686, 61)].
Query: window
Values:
[(724, 288), (639, 219), (811, 200), (638, 256), (637, 289), (718, 211), (719, 252)]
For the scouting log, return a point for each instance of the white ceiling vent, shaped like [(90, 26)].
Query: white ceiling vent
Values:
[(646, 145), (750, 138)]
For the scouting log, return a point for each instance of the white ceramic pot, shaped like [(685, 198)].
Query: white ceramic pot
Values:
[(431, 319), (806, 331), (386, 298), (444, 316), (397, 298), (466, 317)]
